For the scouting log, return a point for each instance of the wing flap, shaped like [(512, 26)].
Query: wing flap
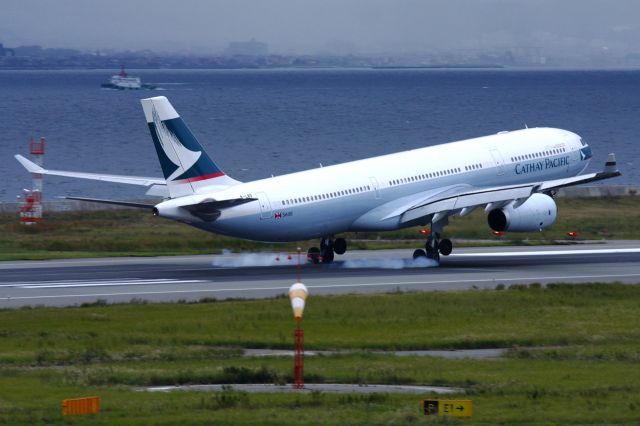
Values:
[(468, 199)]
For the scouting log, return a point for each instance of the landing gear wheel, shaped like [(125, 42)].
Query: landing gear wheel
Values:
[(445, 246), (432, 249), (313, 255), (340, 246), (419, 253), (433, 254), (327, 257), (326, 250)]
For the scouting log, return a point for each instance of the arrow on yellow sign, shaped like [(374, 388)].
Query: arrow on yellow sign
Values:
[(447, 407)]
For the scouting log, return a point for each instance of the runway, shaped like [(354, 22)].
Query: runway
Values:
[(164, 279)]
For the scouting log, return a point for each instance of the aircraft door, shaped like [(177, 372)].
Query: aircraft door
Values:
[(497, 159), (375, 186), (265, 205)]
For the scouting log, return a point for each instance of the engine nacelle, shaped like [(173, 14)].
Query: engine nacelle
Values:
[(537, 213)]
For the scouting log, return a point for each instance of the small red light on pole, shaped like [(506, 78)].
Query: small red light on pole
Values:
[(425, 231), (298, 358), (572, 234), (498, 233)]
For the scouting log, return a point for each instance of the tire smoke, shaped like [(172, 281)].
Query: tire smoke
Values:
[(247, 260), (398, 263)]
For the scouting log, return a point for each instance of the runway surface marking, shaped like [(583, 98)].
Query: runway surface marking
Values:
[(97, 283), (399, 283), (549, 252)]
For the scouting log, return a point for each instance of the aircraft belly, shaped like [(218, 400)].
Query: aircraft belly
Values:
[(291, 224)]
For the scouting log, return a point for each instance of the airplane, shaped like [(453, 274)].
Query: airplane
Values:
[(513, 175)]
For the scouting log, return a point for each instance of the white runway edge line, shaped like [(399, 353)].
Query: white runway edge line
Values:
[(221, 290), (549, 252)]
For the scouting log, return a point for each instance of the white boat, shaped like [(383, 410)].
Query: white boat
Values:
[(123, 81)]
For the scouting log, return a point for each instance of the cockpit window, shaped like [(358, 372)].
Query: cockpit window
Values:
[(583, 142)]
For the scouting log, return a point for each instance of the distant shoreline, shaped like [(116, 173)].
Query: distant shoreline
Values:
[(293, 67), (442, 66), (328, 67)]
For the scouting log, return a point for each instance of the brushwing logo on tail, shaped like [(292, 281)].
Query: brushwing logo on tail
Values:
[(179, 155)]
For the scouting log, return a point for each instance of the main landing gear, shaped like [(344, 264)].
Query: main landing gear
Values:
[(434, 248), (328, 247)]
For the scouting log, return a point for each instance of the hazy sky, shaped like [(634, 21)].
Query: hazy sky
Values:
[(305, 26)]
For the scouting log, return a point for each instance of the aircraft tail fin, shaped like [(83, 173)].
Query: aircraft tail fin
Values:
[(186, 166)]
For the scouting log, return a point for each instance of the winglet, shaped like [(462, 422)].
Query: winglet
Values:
[(29, 165), (610, 166)]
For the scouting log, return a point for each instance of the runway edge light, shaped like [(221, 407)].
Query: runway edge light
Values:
[(298, 294)]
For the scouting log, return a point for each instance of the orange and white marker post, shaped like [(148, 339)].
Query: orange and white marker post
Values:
[(298, 294)]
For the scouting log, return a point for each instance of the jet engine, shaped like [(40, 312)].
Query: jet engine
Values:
[(538, 212)]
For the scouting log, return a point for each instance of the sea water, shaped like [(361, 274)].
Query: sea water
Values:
[(258, 123)]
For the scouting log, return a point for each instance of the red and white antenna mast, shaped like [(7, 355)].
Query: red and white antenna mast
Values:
[(31, 209)]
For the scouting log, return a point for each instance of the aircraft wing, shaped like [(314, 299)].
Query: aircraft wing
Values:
[(132, 180), (464, 198), (577, 180)]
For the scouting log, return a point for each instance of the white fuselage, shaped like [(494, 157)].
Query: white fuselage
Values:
[(362, 195)]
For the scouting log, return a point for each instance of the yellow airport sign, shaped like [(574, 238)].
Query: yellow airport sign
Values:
[(90, 405), (447, 407)]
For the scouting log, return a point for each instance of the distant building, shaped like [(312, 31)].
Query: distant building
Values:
[(5, 51), (247, 48)]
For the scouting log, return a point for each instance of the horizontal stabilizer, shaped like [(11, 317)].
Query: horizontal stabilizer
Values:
[(29, 165), (131, 180), (119, 203)]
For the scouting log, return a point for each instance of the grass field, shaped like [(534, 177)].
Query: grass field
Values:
[(136, 233), (574, 358)]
